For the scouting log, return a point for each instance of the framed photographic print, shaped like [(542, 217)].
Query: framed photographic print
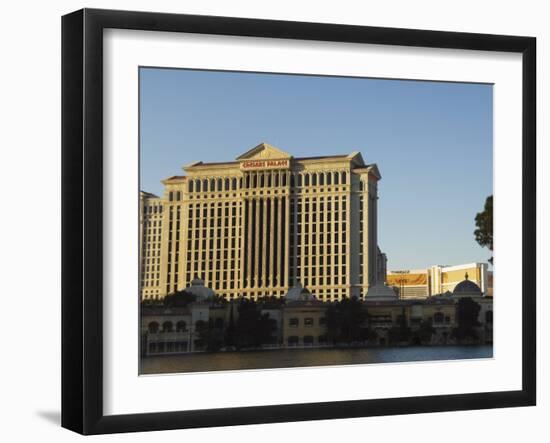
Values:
[(269, 221)]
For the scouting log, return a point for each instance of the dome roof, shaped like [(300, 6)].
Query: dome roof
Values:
[(197, 282), (381, 292), (466, 287), (201, 292), (299, 293)]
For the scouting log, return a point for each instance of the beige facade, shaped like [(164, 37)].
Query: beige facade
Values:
[(259, 225), (150, 232), (304, 324)]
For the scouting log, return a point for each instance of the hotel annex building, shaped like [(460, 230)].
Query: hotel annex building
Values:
[(261, 224)]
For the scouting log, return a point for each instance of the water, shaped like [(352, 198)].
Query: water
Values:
[(292, 358)]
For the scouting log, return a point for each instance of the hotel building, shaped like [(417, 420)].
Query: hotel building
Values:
[(263, 223), (426, 282)]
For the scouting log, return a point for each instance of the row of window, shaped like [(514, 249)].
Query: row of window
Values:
[(261, 180), (294, 322), (257, 180), (149, 283), (294, 340), (152, 209), (180, 326)]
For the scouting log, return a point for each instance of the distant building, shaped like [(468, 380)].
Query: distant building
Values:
[(257, 226), (426, 282)]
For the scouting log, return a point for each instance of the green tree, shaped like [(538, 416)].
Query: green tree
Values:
[(209, 335), (252, 328), (332, 323), (425, 331), (467, 317), (401, 333), (178, 299), (346, 321), (230, 330), (484, 226)]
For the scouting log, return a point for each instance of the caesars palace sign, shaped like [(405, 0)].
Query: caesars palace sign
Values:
[(264, 164)]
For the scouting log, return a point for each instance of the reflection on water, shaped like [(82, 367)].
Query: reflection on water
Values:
[(291, 358)]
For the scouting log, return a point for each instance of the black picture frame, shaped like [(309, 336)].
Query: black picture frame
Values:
[(82, 215)]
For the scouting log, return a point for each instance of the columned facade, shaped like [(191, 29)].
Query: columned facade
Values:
[(259, 225), (150, 234)]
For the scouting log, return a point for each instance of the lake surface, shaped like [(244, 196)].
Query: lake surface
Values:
[(292, 358)]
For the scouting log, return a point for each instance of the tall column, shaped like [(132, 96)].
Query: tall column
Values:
[(271, 236), (256, 240), (286, 227), (263, 252), (279, 236), (317, 239), (183, 244), (224, 250), (346, 212), (249, 252), (239, 245), (303, 240)]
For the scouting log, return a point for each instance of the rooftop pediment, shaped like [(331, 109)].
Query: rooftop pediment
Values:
[(264, 151)]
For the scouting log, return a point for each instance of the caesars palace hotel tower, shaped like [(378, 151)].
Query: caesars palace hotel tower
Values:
[(263, 223)]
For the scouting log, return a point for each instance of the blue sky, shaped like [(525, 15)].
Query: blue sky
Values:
[(432, 142)]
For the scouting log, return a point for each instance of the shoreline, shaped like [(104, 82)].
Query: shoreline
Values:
[(296, 358)]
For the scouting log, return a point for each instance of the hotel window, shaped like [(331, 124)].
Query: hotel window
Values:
[(181, 326), (293, 340), (293, 322)]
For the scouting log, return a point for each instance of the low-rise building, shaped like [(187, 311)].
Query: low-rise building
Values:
[(304, 319), (301, 320)]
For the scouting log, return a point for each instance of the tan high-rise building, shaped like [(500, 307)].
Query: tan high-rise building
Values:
[(263, 223), (150, 234)]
